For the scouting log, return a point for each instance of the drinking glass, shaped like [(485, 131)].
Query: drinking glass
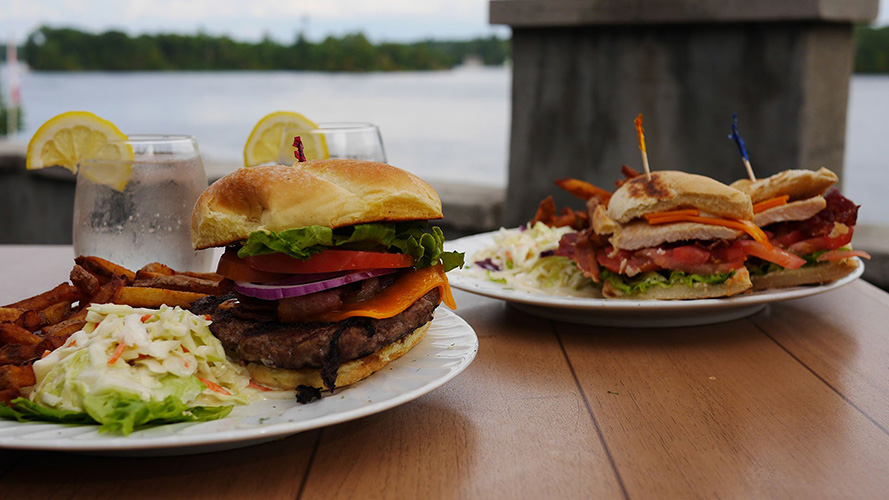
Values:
[(358, 141), (138, 210)]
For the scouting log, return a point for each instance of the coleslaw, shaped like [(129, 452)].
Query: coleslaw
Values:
[(523, 258), (131, 366)]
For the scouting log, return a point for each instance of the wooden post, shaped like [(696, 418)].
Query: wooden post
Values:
[(582, 69)]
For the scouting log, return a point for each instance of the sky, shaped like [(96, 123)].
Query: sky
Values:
[(380, 20)]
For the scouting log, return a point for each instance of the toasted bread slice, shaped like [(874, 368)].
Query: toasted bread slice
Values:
[(738, 283), (809, 275), (797, 183)]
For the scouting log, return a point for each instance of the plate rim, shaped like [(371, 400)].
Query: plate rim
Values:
[(493, 290), (197, 443)]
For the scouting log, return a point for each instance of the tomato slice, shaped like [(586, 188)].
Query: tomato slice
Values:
[(731, 253), (825, 242), (235, 268), (625, 262), (842, 254), (789, 238), (774, 254), (693, 259), (690, 254), (328, 261)]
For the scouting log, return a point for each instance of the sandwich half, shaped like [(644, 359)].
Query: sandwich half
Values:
[(803, 215), (675, 236)]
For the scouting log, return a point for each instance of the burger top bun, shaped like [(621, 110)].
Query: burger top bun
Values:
[(672, 190), (797, 183), (331, 193)]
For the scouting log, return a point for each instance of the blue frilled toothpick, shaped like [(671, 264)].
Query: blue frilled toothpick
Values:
[(742, 147)]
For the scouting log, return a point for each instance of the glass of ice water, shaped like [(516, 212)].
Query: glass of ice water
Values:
[(137, 210), (358, 141)]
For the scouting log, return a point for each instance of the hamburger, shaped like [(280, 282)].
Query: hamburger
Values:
[(803, 214), (332, 266), (675, 236)]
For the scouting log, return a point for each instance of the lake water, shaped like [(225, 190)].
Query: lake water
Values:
[(442, 125)]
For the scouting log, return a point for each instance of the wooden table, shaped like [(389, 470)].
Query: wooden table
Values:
[(791, 402)]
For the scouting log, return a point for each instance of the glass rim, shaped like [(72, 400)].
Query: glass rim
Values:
[(153, 139), (328, 127), (141, 146)]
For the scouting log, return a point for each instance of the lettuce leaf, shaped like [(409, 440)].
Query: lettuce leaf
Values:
[(117, 412), (24, 410), (424, 244), (452, 260), (643, 282), (759, 267)]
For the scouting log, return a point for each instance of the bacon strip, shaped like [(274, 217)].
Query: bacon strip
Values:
[(585, 256)]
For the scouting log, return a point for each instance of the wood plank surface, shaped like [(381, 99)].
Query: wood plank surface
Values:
[(792, 402), (513, 425), (270, 471), (845, 342), (724, 411)]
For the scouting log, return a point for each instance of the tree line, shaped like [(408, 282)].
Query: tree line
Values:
[(871, 50), (66, 49)]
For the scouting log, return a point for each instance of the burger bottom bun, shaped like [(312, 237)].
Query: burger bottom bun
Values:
[(739, 282), (348, 373), (809, 275)]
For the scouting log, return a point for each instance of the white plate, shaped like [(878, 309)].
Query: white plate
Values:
[(627, 313), (448, 348)]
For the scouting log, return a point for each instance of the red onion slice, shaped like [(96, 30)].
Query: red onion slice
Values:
[(279, 291), (299, 279)]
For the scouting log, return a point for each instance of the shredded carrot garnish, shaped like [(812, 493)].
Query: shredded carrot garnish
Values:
[(755, 232), (146, 318), (117, 352), (257, 386), (770, 203), (45, 354), (208, 317), (742, 225), (671, 213), (214, 387)]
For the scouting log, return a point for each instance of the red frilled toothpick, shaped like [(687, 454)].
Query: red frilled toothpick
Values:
[(298, 154), (640, 130)]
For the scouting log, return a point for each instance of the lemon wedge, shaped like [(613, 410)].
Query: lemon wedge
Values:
[(266, 143), (66, 140)]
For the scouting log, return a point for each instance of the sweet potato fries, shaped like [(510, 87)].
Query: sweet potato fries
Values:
[(37, 325)]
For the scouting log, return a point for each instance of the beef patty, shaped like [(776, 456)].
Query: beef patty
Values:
[(308, 345)]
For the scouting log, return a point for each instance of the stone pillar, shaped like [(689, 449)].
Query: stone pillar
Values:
[(583, 70)]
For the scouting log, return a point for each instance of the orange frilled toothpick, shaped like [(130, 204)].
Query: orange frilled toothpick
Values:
[(640, 130)]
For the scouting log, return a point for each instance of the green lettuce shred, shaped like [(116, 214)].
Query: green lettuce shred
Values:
[(641, 283), (424, 244), (117, 412), (759, 267)]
